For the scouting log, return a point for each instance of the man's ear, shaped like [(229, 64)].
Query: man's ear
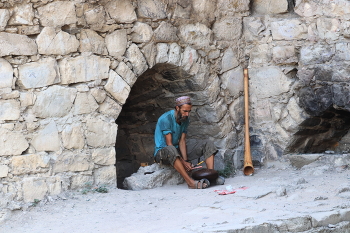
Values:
[(177, 108)]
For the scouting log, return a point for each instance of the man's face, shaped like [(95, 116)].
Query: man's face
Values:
[(182, 112)]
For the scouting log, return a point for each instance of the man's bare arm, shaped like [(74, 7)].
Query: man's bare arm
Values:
[(168, 139), (182, 146)]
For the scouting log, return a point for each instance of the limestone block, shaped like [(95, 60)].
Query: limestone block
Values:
[(162, 53), (90, 41), (150, 52), (232, 80), (183, 12), (116, 43), (110, 108), (124, 71), (73, 162), (6, 74), (152, 9), (7, 94), (57, 14), (34, 188), (174, 54), (98, 94), (284, 55), (189, 57), (341, 95), (165, 32), (142, 33), (228, 28), (4, 170), (198, 35), (204, 10), (308, 8), (104, 156), (4, 17), (9, 110), (136, 59), (342, 51), (12, 142), (47, 139), (235, 110), (211, 92), (291, 29), (29, 30), (27, 99), (22, 15), (336, 8), (84, 103), (105, 175), (59, 43), (122, 11), (83, 68), (314, 54), (270, 6), (252, 28), (73, 137), (162, 175), (57, 100), (95, 17), (225, 7), (31, 163), (260, 54), (268, 82), (38, 74), (117, 87), (328, 29), (229, 60), (54, 185), (100, 133), (14, 44), (296, 112), (79, 181), (212, 113), (345, 29)]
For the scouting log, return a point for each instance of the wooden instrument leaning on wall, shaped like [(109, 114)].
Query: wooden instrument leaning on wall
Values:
[(248, 168)]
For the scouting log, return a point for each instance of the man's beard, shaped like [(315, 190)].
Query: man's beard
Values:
[(180, 117)]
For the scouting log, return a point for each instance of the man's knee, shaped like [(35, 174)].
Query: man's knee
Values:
[(167, 155)]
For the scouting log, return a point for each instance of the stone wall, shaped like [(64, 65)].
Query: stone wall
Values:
[(68, 69)]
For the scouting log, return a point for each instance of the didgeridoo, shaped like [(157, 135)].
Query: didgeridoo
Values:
[(248, 168)]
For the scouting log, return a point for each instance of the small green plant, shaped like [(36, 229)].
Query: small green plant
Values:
[(35, 203), (89, 188), (228, 170), (101, 189)]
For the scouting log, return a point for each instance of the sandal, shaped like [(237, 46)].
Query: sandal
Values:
[(201, 182)]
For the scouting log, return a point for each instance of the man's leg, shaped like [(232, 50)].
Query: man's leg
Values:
[(210, 162), (169, 155), (181, 169), (205, 148)]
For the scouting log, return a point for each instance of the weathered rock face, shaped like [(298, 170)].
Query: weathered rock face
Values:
[(84, 82)]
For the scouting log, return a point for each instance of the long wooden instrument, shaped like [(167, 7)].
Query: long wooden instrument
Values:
[(248, 168)]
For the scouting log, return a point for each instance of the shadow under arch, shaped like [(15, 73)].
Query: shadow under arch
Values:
[(320, 133), (152, 94)]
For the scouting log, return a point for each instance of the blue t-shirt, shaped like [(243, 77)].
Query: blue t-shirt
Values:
[(167, 124)]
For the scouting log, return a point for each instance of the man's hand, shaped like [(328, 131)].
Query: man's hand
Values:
[(187, 165)]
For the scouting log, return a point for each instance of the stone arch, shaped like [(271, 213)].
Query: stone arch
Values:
[(176, 71)]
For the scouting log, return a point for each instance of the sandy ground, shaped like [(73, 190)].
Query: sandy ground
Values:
[(274, 193)]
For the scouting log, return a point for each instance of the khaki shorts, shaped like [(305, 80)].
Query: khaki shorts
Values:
[(168, 155)]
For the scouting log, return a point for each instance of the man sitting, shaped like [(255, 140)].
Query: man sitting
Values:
[(170, 144)]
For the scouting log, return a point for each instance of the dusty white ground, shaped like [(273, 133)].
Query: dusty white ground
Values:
[(274, 193)]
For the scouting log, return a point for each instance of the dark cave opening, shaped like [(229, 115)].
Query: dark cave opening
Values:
[(321, 133)]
